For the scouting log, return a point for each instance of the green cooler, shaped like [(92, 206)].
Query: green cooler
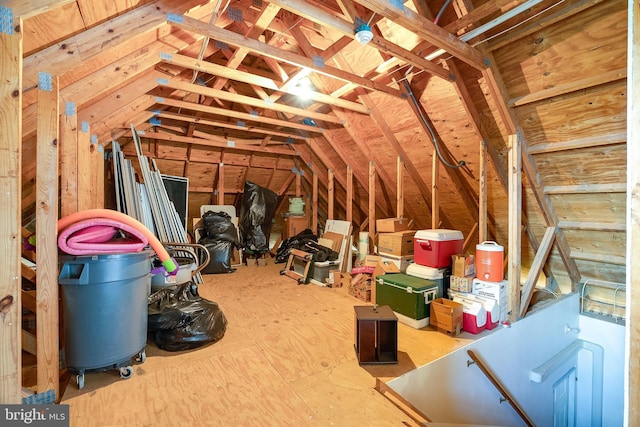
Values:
[(408, 296)]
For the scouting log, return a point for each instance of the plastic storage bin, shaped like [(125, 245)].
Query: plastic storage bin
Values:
[(434, 248), (104, 306)]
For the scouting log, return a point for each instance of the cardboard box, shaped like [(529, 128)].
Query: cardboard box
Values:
[(446, 315), (335, 279), (371, 260), (382, 268), (360, 287), (402, 262), (391, 225), (396, 244), (462, 284), (493, 290), (463, 265)]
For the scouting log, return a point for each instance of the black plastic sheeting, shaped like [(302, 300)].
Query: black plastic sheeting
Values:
[(180, 319), (256, 217), (220, 237)]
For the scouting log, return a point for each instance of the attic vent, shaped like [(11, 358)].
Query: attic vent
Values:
[(234, 14), (257, 3)]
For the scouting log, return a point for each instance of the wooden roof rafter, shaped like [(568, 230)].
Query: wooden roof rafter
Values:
[(228, 125), (251, 79), (263, 49), (318, 15), (427, 30)]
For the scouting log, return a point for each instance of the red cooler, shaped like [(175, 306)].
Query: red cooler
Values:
[(474, 316), (433, 248)]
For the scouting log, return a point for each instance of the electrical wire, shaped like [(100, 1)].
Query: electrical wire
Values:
[(439, 15), (461, 163)]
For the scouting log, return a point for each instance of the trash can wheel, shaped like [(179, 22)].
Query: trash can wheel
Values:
[(142, 356), (126, 372), (80, 381)]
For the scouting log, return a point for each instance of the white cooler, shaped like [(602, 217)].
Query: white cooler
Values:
[(489, 304), (474, 316), (430, 273)]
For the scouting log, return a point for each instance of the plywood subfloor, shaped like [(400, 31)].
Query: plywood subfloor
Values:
[(287, 359)]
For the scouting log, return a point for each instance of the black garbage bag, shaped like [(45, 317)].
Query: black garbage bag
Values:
[(256, 216), (220, 254), (299, 241), (180, 319), (218, 226)]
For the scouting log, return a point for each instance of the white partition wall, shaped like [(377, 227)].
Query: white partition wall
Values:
[(452, 390)]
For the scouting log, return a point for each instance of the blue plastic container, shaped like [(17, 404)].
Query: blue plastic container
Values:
[(104, 304)]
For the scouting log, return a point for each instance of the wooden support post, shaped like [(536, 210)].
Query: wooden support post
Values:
[(47, 318), (536, 267), (330, 194), (482, 194), (84, 167), (100, 176), (435, 198), (96, 164), (632, 340), (314, 201), (515, 225), (349, 193), (221, 183), (68, 160), (298, 185), (400, 187), (372, 201), (10, 200)]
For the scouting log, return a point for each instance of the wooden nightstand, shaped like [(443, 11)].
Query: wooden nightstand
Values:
[(376, 340)]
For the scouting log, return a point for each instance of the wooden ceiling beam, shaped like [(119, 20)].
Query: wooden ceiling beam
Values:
[(266, 16), (319, 16), (235, 114), (227, 125), (237, 75), (246, 100), (427, 30), (222, 144), (100, 41), (28, 8), (263, 49)]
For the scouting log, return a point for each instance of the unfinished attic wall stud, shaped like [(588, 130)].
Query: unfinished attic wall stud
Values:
[(10, 196), (47, 333), (400, 187), (482, 194), (515, 224), (330, 193), (349, 201), (435, 193), (372, 200), (314, 219)]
